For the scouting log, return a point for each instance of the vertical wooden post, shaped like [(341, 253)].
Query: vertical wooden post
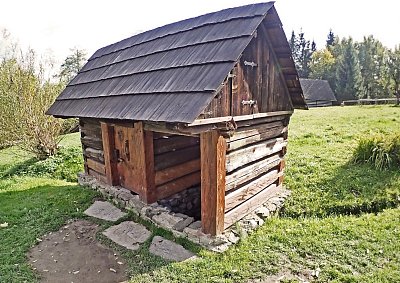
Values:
[(143, 167), (213, 172), (107, 133)]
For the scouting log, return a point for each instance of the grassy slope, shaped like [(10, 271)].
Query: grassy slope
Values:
[(315, 231)]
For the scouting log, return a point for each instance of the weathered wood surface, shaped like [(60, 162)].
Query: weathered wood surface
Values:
[(173, 158), (250, 205), (93, 142), (174, 143), (241, 194), (94, 154), (251, 171), (136, 160), (247, 131), (264, 134), (175, 172), (98, 176), (109, 158), (213, 152), (243, 156), (96, 166), (178, 184)]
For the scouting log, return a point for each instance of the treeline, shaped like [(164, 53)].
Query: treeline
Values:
[(27, 89), (355, 70)]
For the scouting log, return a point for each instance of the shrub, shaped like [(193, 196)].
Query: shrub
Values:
[(65, 164), (381, 151)]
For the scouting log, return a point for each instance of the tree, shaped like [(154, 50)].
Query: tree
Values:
[(330, 41), (302, 50), (394, 71), (72, 64), (25, 95), (349, 83), (371, 56), (322, 66)]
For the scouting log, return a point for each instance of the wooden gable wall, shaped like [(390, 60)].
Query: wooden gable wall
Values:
[(257, 78)]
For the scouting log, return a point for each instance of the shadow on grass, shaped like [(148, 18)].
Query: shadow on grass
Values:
[(6, 171), (351, 189)]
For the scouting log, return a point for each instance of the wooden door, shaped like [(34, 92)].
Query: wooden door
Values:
[(125, 157)]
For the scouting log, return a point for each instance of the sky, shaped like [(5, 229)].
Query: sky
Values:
[(54, 27)]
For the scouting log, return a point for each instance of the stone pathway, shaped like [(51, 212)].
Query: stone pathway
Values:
[(169, 250), (104, 210), (131, 235), (128, 234)]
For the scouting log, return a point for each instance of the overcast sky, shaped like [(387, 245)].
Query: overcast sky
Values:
[(56, 26)]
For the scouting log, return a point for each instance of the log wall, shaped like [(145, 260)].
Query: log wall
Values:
[(176, 163), (254, 166), (92, 146)]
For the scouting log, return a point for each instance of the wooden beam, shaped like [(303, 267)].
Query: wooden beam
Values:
[(143, 163), (177, 171), (107, 133), (213, 153), (238, 118), (178, 185), (96, 166), (245, 192), (250, 205)]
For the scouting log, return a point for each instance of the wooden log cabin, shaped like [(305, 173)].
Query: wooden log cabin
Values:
[(201, 102)]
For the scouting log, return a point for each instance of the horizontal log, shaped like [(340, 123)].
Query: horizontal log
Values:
[(238, 118), (178, 185), (95, 154), (175, 172), (98, 176), (247, 131), (89, 122), (265, 120), (93, 142), (90, 132), (174, 143), (265, 135), (170, 159), (251, 171), (250, 205), (241, 194), (96, 166), (243, 156)]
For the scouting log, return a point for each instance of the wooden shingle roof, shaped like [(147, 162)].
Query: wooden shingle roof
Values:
[(317, 90), (167, 74)]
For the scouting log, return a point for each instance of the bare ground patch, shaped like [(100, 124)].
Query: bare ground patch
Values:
[(73, 254)]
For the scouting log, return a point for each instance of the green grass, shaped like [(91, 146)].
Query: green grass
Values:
[(342, 217)]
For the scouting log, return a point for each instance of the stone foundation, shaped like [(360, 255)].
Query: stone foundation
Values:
[(180, 213)]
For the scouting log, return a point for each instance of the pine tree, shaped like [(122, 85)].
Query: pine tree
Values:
[(349, 84), (72, 64), (330, 41), (301, 52)]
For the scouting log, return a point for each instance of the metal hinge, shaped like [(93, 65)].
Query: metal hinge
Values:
[(249, 102), (252, 64)]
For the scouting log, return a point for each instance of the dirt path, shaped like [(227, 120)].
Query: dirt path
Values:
[(72, 254)]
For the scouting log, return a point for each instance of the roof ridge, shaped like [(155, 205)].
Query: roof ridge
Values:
[(267, 6)]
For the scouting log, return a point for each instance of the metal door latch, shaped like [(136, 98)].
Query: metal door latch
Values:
[(252, 64), (249, 102)]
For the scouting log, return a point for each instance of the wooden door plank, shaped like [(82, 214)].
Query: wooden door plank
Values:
[(213, 153), (107, 133)]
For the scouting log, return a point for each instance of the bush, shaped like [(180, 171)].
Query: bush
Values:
[(65, 164), (381, 151)]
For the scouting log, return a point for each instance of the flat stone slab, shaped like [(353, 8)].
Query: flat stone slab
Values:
[(128, 234), (169, 250), (104, 210)]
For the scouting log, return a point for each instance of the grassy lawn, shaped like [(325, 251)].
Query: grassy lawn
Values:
[(342, 218)]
